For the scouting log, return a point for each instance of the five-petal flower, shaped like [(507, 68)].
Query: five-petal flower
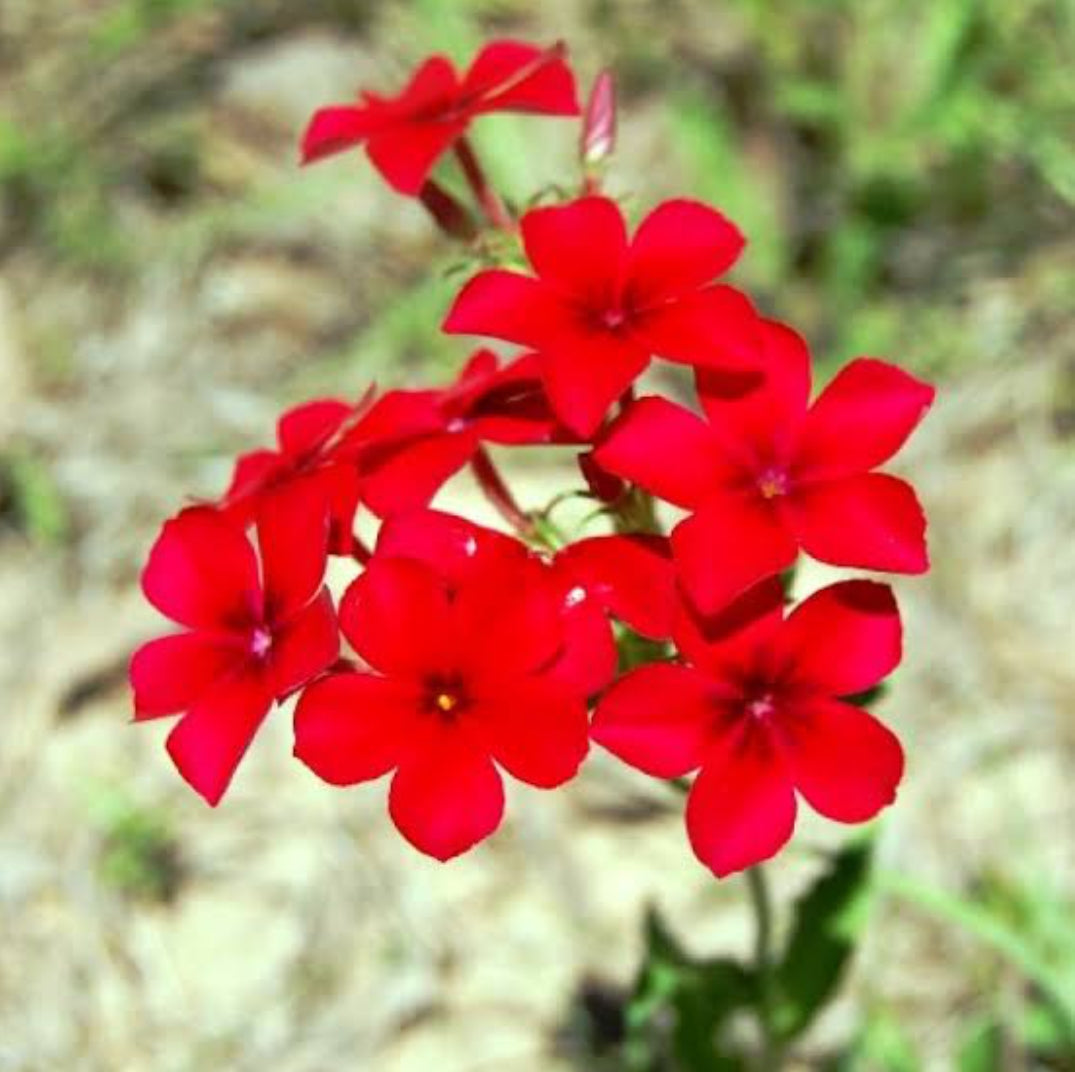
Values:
[(602, 305), (251, 637), (755, 709), (768, 475), (405, 135)]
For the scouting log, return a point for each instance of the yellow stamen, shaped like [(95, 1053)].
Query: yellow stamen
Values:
[(446, 702)]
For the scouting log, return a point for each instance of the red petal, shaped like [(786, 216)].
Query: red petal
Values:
[(447, 795), (872, 521), (861, 419), (202, 572), (309, 426), (715, 327), (586, 374), (579, 249), (253, 472), (394, 418), (508, 617), (209, 741), (172, 672), (666, 449), (336, 128), (845, 638), (405, 156), (293, 529), (452, 546), (757, 414), (538, 731), (305, 646), (631, 576), (354, 727), (680, 246), (843, 761), (741, 808), (735, 639), (408, 478), (730, 544), (511, 76), (659, 718), (398, 617), (509, 306)]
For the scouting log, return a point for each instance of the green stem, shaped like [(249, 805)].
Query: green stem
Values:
[(770, 1058)]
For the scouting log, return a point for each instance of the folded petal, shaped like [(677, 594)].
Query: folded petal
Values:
[(447, 795), (845, 638), (209, 741), (861, 419), (452, 546), (736, 638), (169, 674), (336, 128), (588, 660), (872, 521), (586, 373), (730, 544), (398, 617), (433, 86), (408, 477), (680, 246), (293, 531), (304, 646), (202, 572), (253, 473), (406, 154), (512, 76), (757, 414), (579, 249), (715, 327), (666, 449), (741, 808), (632, 576), (659, 718), (507, 305), (537, 730), (309, 426), (355, 727), (843, 760)]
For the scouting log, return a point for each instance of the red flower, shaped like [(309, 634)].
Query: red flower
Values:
[(459, 686), (755, 710), (602, 305), (767, 475), (306, 436), (250, 639), (405, 135), (411, 442)]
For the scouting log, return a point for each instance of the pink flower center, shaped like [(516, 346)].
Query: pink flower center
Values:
[(260, 642), (761, 706), (613, 319), (456, 425), (773, 482)]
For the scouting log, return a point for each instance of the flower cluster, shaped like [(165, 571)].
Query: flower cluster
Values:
[(469, 653)]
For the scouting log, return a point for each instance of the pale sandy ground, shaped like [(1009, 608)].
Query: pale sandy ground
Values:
[(305, 935)]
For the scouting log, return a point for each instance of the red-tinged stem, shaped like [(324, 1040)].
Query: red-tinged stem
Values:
[(486, 196), (498, 493), (449, 214), (360, 552)]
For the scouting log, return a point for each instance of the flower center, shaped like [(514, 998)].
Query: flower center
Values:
[(260, 642), (456, 425), (613, 319), (761, 706), (445, 695), (773, 482)]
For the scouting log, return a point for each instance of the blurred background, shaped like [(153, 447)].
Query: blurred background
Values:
[(170, 280)]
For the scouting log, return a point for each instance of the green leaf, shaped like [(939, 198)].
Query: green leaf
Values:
[(982, 1048), (679, 1012), (827, 920)]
